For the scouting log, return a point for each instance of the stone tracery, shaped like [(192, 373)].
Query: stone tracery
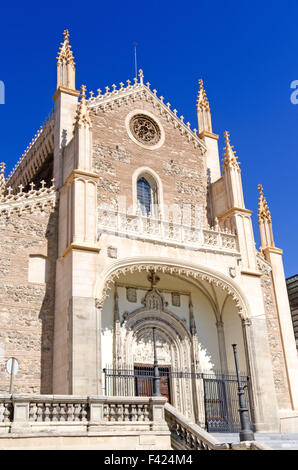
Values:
[(145, 129)]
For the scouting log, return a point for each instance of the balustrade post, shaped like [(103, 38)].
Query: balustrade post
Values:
[(97, 420), (157, 408), (20, 423)]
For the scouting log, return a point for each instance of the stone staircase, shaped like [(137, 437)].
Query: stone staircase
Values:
[(275, 441)]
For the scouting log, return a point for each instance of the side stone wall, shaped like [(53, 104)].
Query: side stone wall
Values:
[(275, 342), (27, 308)]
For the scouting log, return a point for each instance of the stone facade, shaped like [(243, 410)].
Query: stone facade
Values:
[(26, 308), (135, 227)]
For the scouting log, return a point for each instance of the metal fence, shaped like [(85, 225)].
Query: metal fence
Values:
[(220, 392), (222, 403)]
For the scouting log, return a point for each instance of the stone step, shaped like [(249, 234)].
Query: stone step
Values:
[(276, 441)]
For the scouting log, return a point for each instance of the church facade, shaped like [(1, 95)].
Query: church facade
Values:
[(117, 220)]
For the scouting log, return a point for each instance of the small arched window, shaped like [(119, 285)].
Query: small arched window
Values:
[(144, 195)]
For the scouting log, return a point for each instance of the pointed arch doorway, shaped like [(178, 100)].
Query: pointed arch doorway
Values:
[(134, 352)]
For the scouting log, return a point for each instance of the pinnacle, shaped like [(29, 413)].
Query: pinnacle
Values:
[(263, 212), (65, 55), (82, 115), (202, 101), (230, 158)]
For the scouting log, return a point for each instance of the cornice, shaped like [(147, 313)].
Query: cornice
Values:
[(81, 173), (211, 135), (232, 210), (68, 91), (80, 247), (269, 249)]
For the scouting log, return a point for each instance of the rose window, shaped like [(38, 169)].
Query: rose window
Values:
[(145, 129)]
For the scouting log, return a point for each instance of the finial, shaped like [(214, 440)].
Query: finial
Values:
[(230, 159), (66, 35), (153, 278), (65, 54), (83, 92), (141, 76), (260, 188), (65, 64), (202, 101)]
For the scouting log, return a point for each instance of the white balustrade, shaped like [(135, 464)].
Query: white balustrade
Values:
[(165, 231)]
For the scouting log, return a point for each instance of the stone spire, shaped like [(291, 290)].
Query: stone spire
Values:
[(203, 110), (2, 178), (232, 175), (230, 159), (82, 117), (65, 64), (263, 212), (83, 134), (265, 223), (202, 101)]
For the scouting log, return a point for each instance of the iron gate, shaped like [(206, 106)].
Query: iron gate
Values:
[(220, 392), (222, 403)]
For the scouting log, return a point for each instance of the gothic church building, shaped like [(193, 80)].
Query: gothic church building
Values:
[(119, 218)]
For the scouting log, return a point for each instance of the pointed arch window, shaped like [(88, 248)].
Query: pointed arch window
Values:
[(144, 195), (147, 195)]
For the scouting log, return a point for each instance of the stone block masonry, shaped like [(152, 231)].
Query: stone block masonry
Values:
[(27, 308)]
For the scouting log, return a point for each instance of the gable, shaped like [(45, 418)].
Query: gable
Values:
[(178, 157)]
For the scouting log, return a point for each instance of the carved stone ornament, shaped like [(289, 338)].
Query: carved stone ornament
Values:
[(153, 300), (174, 271), (175, 299), (145, 129), (232, 272), (131, 294)]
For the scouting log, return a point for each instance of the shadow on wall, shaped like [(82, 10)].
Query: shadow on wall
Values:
[(47, 310)]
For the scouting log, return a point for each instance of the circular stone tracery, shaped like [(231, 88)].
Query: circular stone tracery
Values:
[(145, 129)]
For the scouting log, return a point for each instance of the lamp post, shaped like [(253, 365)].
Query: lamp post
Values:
[(156, 378), (246, 434)]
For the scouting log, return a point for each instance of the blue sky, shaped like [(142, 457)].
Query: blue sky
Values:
[(246, 52)]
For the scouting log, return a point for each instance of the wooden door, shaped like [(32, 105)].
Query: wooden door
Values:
[(144, 377)]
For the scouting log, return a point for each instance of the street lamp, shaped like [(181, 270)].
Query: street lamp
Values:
[(246, 433), (156, 378)]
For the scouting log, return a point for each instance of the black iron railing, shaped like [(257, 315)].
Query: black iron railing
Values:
[(220, 391)]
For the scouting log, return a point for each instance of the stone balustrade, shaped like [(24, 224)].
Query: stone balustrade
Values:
[(139, 423), (189, 436), (166, 232), (68, 413)]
